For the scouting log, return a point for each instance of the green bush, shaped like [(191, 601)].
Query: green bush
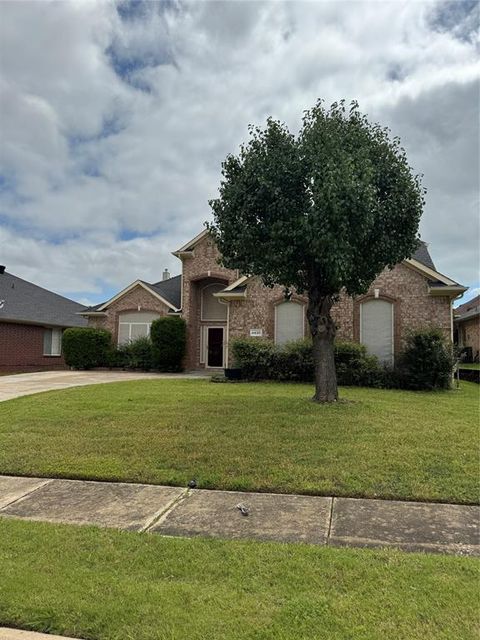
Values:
[(427, 361), (138, 354), (254, 357), (262, 360), (117, 357), (294, 361), (355, 367), (169, 340), (86, 347)]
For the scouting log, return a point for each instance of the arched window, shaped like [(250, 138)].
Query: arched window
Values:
[(376, 328), (289, 322), (212, 308), (135, 324)]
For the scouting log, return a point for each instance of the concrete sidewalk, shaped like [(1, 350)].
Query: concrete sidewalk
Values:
[(174, 511), (25, 384)]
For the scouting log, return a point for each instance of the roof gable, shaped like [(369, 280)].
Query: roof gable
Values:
[(190, 246), (169, 294)]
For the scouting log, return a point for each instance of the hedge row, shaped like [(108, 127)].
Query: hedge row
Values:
[(86, 348), (426, 363)]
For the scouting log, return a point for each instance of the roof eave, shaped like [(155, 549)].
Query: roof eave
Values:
[(183, 254), (230, 295), (40, 323), (431, 273), (451, 291), (192, 242)]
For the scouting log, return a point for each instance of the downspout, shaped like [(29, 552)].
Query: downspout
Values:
[(228, 335)]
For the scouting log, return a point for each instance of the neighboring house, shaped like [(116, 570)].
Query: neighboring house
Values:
[(32, 321), (466, 320), (221, 304)]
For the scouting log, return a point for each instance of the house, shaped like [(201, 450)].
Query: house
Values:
[(32, 321), (466, 319), (221, 304)]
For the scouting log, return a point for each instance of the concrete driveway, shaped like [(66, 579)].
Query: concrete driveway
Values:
[(25, 384)]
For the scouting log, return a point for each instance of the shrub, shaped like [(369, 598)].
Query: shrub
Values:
[(169, 340), (138, 354), (262, 360), (427, 361), (117, 357), (254, 357), (355, 367), (86, 347), (294, 361)]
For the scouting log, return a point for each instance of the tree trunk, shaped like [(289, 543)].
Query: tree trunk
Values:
[(322, 328)]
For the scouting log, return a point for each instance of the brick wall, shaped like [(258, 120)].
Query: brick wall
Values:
[(21, 349), (199, 269), (414, 308), (138, 299), (470, 334)]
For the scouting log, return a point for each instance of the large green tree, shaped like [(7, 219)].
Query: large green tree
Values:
[(321, 212)]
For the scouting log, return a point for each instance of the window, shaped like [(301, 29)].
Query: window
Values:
[(376, 328), (135, 324), (52, 342), (289, 322), (212, 308)]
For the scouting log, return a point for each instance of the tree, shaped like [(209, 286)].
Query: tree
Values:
[(322, 212)]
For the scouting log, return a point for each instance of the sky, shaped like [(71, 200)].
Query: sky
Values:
[(116, 116)]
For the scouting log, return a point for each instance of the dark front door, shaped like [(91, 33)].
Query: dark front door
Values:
[(215, 347)]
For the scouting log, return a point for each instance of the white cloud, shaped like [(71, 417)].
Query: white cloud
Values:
[(115, 122)]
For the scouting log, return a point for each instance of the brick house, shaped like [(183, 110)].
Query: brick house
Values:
[(32, 321), (466, 319), (221, 304)]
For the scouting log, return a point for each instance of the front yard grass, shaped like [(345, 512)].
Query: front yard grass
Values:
[(254, 437), (112, 585)]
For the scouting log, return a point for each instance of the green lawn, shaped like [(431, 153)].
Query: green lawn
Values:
[(105, 584), (469, 365), (265, 437)]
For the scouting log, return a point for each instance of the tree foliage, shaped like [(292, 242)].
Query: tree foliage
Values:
[(320, 212)]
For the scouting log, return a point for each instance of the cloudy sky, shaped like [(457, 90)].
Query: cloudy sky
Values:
[(115, 118)]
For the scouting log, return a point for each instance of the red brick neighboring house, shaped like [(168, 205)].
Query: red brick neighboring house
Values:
[(221, 304), (32, 321), (466, 320)]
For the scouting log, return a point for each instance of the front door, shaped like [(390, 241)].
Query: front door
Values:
[(215, 347)]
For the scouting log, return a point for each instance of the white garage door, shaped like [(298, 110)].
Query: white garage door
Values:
[(376, 329)]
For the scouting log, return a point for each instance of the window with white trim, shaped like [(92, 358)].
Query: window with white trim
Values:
[(52, 342), (135, 324), (289, 321)]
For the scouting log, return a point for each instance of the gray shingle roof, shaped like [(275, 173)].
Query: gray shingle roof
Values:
[(422, 255), (170, 290), (23, 301)]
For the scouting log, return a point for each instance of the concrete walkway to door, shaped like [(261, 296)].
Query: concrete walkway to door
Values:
[(24, 384)]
